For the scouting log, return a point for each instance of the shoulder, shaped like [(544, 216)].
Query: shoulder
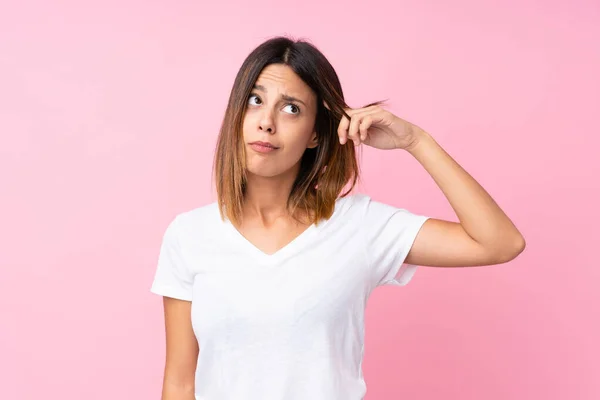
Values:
[(351, 208), (354, 200), (373, 211), (355, 203), (196, 221)]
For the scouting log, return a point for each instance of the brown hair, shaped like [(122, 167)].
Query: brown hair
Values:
[(324, 170)]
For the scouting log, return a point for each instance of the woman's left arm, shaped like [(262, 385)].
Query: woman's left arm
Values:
[(484, 236)]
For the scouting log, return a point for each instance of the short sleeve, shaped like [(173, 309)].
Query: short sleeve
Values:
[(172, 277), (391, 233)]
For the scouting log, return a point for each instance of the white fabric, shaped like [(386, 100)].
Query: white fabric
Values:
[(288, 325)]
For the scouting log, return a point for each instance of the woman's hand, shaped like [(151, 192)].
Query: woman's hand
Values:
[(379, 128)]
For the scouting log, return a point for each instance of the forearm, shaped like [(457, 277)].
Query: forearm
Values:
[(177, 392), (479, 215)]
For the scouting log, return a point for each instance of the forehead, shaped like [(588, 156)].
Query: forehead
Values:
[(282, 79)]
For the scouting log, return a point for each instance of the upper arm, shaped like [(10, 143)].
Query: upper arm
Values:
[(442, 243), (181, 344)]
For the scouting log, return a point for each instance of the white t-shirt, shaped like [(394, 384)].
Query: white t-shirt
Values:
[(288, 325)]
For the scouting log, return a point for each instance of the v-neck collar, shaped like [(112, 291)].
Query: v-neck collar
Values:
[(292, 247)]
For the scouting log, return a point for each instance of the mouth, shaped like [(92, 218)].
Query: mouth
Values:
[(263, 147)]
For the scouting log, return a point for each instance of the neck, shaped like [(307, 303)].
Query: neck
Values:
[(266, 197)]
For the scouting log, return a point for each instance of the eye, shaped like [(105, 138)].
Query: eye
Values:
[(295, 109), (253, 96)]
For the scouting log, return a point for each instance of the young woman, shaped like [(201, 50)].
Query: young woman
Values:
[(265, 289)]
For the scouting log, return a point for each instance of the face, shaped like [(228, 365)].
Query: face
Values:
[(279, 122)]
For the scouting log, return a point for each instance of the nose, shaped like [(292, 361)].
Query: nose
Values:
[(266, 123)]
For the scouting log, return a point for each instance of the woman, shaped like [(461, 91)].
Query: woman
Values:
[(265, 289)]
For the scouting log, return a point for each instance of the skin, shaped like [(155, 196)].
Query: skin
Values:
[(290, 126), (484, 234), (271, 116)]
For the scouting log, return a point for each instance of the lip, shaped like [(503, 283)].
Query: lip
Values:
[(263, 147)]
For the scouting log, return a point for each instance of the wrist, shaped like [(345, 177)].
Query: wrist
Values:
[(419, 140)]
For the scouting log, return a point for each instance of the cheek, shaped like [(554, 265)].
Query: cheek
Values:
[(297, 134), (296, 146)]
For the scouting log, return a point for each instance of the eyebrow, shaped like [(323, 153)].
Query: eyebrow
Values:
[(283, 96)]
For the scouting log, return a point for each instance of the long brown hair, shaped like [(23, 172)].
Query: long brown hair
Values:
[(324, 170)]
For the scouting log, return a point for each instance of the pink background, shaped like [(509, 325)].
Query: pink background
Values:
[(109, 113)]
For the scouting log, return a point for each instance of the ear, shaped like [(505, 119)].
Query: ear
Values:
[(314, 141)]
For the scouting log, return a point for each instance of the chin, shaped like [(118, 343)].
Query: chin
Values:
[(263, 171), (268, 169)]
